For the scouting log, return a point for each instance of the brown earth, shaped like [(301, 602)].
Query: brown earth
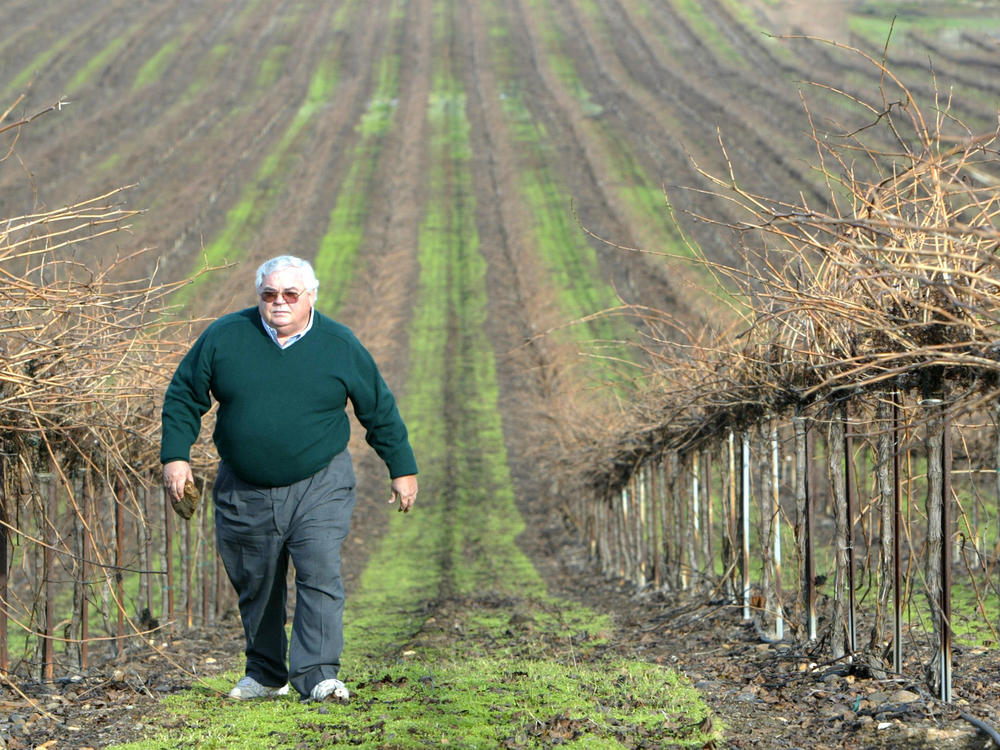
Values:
[(194, 142)]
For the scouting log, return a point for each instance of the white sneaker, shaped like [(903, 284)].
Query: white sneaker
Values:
[(248, 689), (330, 690)]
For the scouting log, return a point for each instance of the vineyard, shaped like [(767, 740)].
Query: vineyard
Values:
[(690, 308)]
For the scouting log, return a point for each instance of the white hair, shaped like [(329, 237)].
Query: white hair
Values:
[(288, 261)]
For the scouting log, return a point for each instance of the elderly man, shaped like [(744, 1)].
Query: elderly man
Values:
[(282, 374)]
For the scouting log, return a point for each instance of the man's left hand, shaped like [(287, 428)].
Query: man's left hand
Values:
[(404, 489)]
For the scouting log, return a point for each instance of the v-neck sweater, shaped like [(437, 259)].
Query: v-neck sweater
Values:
[(282, 411)]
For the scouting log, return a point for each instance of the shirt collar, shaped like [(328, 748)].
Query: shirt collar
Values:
[(273, 333)]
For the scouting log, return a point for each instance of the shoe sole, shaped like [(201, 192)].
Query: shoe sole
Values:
[(276, 694), (331, 698)]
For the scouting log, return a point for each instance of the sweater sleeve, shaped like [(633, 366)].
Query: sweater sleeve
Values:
[(376, 410), (186, 401)]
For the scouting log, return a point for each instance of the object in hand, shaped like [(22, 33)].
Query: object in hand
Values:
[(186, 506)]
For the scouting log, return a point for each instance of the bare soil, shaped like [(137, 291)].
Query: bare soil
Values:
[(774, 695)]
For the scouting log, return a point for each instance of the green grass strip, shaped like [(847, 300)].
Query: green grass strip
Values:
[(462, 703), (271, 66), (564, 69), (98, 62), (153, 69), (40, 61), (707, 31), (873, 22)]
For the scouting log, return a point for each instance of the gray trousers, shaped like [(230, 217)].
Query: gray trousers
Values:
[(257, 529)]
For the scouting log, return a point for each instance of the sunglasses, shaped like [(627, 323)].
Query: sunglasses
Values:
[(288, 295)]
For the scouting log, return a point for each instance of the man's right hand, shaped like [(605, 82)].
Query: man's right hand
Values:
[(175, 475)]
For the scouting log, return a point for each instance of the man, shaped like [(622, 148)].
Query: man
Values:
[(282, 374)]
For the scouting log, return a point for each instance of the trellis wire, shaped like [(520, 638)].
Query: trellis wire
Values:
[(132, 616), (608, 544)]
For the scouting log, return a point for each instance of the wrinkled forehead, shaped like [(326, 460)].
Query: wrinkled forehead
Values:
[(285, 278)]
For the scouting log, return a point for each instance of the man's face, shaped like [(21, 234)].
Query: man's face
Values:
[(286, 317)]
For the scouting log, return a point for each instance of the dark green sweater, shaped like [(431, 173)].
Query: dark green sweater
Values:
[(281, 412)]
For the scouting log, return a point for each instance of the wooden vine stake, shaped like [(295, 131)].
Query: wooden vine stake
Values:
[(775, 605), (897, 526), (838, 488), (50, 488), (938, 561), (207, 563), (745, 521), (188, 562), (946, 551), (655, 490), (664, 492), (678, 502), (146, 529), (996, 464), (119, 502), (639, 504), (803, 526), (86, 547), (168, 554), (707, 544), (694, 538), (850, 486), (766, 531), (731, 557), (884, 456), (6, 482)]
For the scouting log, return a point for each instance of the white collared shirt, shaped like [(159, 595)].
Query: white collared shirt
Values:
[(273, 333)]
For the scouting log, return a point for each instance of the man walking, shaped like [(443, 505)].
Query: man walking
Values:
[(282, 374)]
